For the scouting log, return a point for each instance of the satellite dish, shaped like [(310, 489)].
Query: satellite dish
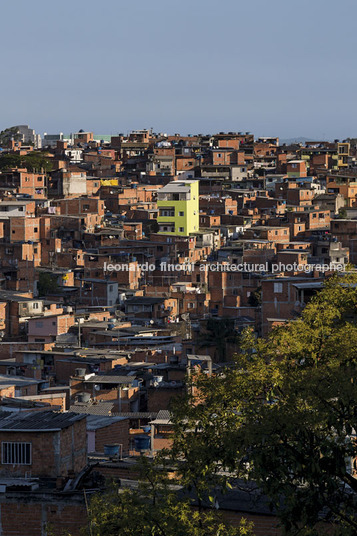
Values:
[(97, 387)]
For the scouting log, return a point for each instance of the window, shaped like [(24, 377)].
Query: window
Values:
[(35, 229), (16, 453), (278, 288), (21, 209), (85, 207), (35, 305), (181, 229), (96, 185), (181, 213), (39, 324), (169, 213)]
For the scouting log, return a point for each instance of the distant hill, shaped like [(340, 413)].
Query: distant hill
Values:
[(290, 141)]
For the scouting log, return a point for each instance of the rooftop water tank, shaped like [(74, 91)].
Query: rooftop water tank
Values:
[(111, 450), (83, 397), (141, 442)]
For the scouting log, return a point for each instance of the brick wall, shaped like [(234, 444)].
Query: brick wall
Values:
[(263, 525), (28, 517), (53, 453), (160, 398), (118, 432), (73, 448)]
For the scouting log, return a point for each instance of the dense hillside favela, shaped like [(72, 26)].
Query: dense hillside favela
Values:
[(145, 279)]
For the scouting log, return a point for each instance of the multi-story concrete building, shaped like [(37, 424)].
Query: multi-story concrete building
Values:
[(179, 208)]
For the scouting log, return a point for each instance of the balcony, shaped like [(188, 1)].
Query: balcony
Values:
[(173, 197)]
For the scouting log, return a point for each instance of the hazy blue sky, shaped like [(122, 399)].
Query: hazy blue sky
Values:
[(277, 67)]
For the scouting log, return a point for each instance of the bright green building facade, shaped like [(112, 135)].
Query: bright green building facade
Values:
[(178, 205)]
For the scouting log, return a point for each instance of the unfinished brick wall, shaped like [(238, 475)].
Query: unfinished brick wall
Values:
[(160, 398), (53, 453), (118, 432), (30, 518)]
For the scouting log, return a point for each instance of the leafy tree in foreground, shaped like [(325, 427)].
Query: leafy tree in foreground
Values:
[(285, 416), (218, 333), (154, 509)]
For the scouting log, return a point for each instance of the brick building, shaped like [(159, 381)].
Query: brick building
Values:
[(28, 439)]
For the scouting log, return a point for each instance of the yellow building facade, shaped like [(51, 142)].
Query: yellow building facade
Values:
[(178, 205)]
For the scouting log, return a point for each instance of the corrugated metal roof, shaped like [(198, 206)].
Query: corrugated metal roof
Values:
[(18, 381), (163, 417), (38, 420), (110, 378), (106, 408), (101, 421)]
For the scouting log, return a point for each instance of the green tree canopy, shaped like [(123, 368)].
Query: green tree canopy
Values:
[(154, 508), (34, 161), (47, 283), (218, 333), (285, 416)]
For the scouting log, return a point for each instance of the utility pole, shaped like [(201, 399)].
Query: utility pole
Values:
[(79, 332)]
